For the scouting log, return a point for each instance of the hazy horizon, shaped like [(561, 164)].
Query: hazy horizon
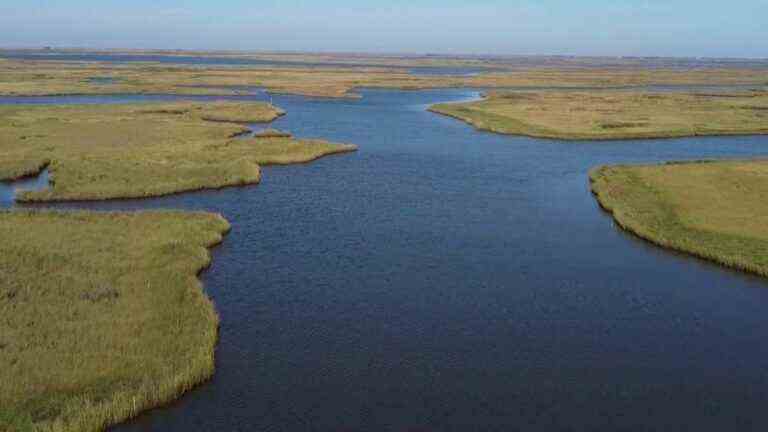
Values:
[(352, 53), (600, 28)]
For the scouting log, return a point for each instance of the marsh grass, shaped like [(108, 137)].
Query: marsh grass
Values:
[(142, 150), (101, 315), (714, 210), (614, 115), (278, 150), (272, 133), (52, 78)]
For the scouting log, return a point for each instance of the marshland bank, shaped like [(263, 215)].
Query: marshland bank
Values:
[(98, 152), (102, 315), (615, 115), (714, 210)]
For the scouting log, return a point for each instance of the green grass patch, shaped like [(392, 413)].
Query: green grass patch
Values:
[(714, 210), (101, 315), (272, 133), (613, 115), (142, 150)]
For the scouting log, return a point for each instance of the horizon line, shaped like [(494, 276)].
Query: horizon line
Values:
[(44, 48)]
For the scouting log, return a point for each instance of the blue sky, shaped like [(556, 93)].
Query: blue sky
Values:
[(711, 28)]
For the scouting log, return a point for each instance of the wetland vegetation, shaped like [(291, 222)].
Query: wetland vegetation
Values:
[(615, 115), (130, 151), (715, 210), (55, 78), (102, 315)]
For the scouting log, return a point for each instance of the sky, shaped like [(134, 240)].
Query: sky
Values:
[(685, 28)]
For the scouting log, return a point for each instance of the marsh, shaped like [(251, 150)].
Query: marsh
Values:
[(452, 279)]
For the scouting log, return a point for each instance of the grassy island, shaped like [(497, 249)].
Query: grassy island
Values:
[(614, 115), (101, 315), (715, 210), (141, 150)]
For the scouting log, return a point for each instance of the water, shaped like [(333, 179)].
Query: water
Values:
[(251, 93), (9, 189), (103, 80), (444, 279)]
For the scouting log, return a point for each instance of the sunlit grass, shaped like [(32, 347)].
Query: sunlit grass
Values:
[(615, 115), (132, 151), (716, 210), (101, 315)]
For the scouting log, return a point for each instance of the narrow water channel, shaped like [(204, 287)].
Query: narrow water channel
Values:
[(445, 279), (9, 189)]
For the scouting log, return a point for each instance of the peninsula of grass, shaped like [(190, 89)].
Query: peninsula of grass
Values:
[(714, 210), (132, 151), (614, 115), (101, 315), (272, 133)]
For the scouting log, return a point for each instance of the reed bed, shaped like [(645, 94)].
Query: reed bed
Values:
[(615, 115), (713, 210), (102, 315), (141, 150)]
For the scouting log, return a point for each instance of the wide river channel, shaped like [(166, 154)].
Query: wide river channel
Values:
[(445, 279)]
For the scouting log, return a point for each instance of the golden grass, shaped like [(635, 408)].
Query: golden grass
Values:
[(101, 315), (272, 133), (132, 151), (50, 78), (230, 112), (714, 210), (615, 115)]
